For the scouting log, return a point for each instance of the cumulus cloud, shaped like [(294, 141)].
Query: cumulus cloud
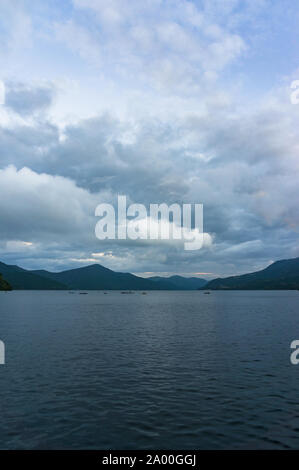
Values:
[(26, 99), (16, 27), (2, 92), (179, 126), (40, 206), (174, 46), (50, 218), (247, 218)]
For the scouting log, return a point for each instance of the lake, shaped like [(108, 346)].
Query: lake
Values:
[(166, 370)]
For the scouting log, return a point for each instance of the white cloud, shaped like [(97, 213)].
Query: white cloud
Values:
[(2, 92), (170, 45), (80, 41), (153, 103), (40, 207)]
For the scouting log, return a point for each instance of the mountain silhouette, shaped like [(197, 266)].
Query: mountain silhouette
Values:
[(180, 282), (4, 285), (283, 274), (93, 277)]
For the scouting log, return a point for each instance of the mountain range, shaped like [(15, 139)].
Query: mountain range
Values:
[(180, 282), (93, 277), (283, 274)]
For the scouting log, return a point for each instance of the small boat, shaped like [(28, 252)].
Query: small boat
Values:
[(83, 293), (143, 293), (207, 292)]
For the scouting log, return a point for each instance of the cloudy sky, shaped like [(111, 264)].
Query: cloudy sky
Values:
[(170, 101)]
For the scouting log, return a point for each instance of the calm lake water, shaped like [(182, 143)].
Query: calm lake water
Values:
[(165, 370)]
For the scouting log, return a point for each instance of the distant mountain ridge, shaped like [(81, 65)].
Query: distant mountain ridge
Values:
[(180, 282), (283, 274), (92, 277), (20, 278), (97, 277)]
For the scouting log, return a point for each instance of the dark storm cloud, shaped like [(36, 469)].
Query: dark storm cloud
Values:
[(27, 145), (251, 222)]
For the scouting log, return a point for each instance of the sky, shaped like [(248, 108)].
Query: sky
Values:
[(164, 101)]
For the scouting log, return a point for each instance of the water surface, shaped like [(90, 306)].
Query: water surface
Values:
[(165, 370)]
